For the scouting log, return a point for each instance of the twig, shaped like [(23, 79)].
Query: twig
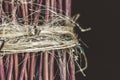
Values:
[(60, 6), (31, 7), (26, 75), (62, 66), (37, 14), (72, 67), (23, 66), (45, 66), (68, 7), (13, 9), (7, 63), (0, 8), (2, 73), (32, 67), (40, 66), (9, 75), (28, 64), (6, 7), (47, 9), (16, 66), (25, 11), (51, 76), (53, 7)]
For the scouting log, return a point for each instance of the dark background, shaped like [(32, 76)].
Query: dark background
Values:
[(103, 16)]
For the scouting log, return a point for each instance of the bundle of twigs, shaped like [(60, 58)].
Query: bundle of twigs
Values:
[(37, 41)]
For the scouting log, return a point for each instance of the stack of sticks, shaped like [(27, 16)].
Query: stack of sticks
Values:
[(43, 65)]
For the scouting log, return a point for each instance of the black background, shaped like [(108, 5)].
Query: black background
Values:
[(103, 16)]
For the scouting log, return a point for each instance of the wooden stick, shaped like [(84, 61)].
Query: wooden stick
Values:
[(32, 67), (28, 64), (1, 20), (13, 11), (25, 11), (72, 67), (9, 75), (40, 66), (51, 69), (64, 63), (60, 7), (47, 9), (7, 63), (37, 14), (23, 66), (52, 4), (31, 7), (26, 75), (2, 73), (62, 66), (0, 8), (68, 7), (16, 66), (6, 3), (45, 66)]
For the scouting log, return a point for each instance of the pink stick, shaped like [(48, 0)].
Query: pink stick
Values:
[(37, 14), (60, 6), (23, 66), (16, 66), (25, 12), (40, 66), (28, 64), (2, 73), (46, 66), (9, 75), (47, 9), (51, 76), (13, 10), (6, 7), (52, 4), (32, 67), (26, 75), (0, 11), (31, 7), (0, 8), (68, 7), (72, 68), (62, 65), (7, 63)]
